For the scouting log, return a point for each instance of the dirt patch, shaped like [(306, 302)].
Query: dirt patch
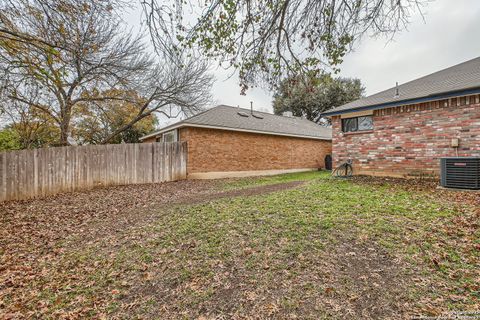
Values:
[(369, 282), (347, 280)]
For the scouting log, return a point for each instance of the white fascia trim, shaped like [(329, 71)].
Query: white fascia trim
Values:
[(230, 129)]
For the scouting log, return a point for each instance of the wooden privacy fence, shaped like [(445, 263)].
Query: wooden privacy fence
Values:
[(30, 173)]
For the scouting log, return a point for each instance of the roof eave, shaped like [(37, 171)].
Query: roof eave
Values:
[(439, 96), (185, 124), (167, 128)]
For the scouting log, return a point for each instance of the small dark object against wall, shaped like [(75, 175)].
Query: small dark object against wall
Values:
[(328, 162)]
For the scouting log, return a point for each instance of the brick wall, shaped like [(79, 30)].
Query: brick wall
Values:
[(410, 140), (213, 150), (150, 140)]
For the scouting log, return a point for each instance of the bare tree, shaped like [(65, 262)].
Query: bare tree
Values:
[(12, 9), (54, 80), (267, 41), (184, 88), (92, 54)]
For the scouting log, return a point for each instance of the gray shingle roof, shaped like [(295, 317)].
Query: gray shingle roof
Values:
[(227, 117), (463, 76)]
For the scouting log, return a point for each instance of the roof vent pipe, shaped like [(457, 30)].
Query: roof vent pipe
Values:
[(251, 107), (397, 92)]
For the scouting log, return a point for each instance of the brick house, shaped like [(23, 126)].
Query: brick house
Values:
[(230, 142), (405, 130)]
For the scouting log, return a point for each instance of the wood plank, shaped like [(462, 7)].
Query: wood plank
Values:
[(3, 176), (32, 173)]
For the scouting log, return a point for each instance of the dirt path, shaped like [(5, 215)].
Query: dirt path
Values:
[(242, 192), (128, 219)]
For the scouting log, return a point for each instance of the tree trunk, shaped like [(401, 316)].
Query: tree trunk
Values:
[(64, 135), (64, 128)]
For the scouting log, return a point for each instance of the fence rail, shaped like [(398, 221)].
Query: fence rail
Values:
[(31, 173)]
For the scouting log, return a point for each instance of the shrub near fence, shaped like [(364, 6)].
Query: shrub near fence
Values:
[(31, 173)]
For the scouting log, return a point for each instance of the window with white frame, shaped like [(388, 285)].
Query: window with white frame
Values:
[(169, 136)]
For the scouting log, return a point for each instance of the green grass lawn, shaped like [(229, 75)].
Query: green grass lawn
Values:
[(325, 250), (241, 183)]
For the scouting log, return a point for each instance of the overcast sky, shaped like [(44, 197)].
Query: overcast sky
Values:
[(449, 35)]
